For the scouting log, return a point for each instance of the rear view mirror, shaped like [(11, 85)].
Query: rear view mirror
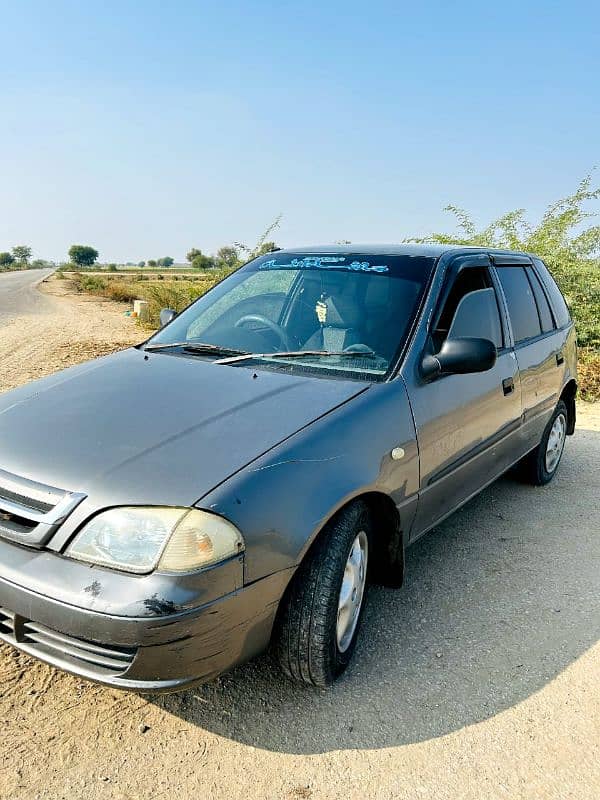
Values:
[(166, 315), (459, 357)]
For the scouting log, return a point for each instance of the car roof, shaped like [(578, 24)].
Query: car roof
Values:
[(429, 250)]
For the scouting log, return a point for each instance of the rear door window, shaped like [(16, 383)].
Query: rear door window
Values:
[(521, 303), (541, 301)]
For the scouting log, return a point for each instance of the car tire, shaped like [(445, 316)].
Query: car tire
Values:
[(541, 465), (315, 637)]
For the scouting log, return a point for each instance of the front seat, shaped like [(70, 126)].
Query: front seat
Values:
[(340, 329)]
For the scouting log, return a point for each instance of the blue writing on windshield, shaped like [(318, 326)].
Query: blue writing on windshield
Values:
[(324, 262)]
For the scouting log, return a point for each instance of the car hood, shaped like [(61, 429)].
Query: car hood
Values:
[(155, 428)]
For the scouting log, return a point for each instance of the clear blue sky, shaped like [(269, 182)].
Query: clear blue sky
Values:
[(145, 128)]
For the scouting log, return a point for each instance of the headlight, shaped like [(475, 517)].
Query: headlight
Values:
[(137, 539)]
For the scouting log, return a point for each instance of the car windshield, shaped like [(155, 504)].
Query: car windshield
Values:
[(345, 314)]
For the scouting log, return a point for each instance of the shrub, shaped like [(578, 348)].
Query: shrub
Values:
[(589, 374), (167, 295), (90, 283), (121, 292), (203, 262)]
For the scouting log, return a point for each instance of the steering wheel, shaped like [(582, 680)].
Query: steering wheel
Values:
[(280, 332), (359, 348)]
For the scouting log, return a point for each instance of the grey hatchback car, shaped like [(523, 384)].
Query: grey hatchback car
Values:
[(238, 479)]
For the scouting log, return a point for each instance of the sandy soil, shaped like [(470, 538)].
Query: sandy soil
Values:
[(479, 679), (72, 328)]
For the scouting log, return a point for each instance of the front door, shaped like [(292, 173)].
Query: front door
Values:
[(467, 425)]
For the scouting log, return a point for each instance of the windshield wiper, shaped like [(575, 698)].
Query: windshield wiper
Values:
[(300, 354), (198, 347)]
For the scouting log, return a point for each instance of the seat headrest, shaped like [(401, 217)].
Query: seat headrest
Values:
[(343, 309)]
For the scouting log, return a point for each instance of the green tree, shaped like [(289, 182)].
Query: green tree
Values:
[(6, 260), (267, 247), (228, 257), (82, 255), (557, 238), (141, 264), (152, 263), (203, 262), (166, 261), (22, 253), (263, 245), (112, 268), (192, 254), (563, 238)]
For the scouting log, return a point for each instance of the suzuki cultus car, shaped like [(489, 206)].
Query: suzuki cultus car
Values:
[(238, 479)]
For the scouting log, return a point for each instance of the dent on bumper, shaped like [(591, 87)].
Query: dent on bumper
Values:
[(153, 654)]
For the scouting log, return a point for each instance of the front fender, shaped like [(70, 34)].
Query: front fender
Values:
[(281, 501)]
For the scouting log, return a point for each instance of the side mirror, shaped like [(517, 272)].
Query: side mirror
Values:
[(460, 357), (166, 315)]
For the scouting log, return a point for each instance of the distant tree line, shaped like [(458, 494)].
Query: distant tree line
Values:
[(228, 257), (84, 256), (20, 258)]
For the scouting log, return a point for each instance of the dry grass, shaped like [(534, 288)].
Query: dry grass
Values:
[(176, 293)]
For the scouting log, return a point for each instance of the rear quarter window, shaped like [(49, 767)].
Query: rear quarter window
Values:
[(541, 300), (561, 310)]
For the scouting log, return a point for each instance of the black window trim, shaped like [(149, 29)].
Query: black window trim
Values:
[(507, 332)]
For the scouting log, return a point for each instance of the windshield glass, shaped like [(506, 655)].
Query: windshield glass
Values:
[(345, 313)]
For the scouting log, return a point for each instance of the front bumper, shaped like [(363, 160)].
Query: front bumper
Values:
[(161, 653)]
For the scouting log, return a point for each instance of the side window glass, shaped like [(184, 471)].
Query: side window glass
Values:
[(561, 311), (521, 304), (479, 315), (541, 301)]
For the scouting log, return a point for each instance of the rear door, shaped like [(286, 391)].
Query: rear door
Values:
[(466, 424), (536, 343)]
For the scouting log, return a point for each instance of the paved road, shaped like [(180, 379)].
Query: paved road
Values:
[(19, 295)]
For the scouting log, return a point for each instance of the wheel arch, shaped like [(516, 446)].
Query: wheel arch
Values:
[(387, 567), (387, 560), (568, 395)]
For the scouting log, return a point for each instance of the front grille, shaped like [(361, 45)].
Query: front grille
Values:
[(27, 502), (7, 622), (61, 649), (30, 512)]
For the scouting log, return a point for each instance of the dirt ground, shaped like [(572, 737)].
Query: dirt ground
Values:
[(69, 328), (479, 679)]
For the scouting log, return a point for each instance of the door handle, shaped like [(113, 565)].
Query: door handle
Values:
[(560, 359), (508, 385)]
